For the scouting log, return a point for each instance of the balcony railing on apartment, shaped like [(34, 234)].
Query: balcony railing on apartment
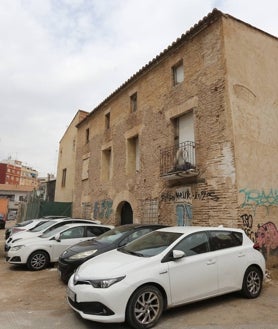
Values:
[(178, 161)]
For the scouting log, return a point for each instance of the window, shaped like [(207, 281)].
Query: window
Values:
[(224, 239), (73, 233), (87, 135), (93, 231), (133, 156), (107, 120), (106, 164), (194, 244), (85, 169), (64, 177), (178, 74), (133, 102)]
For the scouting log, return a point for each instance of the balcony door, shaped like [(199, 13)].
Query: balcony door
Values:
[(185, 127)]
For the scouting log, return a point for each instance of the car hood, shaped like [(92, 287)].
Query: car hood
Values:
[(24, 235), (29, 241), (87, 245), (111, 264)]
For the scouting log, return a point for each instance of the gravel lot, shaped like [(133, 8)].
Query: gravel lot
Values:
[(36, 300)]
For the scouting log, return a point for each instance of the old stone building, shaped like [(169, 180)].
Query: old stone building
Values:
[(191, 138), (65, 180)]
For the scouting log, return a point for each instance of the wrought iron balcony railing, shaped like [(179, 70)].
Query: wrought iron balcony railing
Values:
[(178, 160)]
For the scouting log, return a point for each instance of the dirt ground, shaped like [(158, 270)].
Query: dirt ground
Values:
[(28, 291)]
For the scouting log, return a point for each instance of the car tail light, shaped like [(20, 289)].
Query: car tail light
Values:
[(257, 246)]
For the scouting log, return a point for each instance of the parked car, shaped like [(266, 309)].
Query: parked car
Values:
[(2, 221), (24, 226), (30, 223), (38, 252), (165, 268), (77, 254), (44, 227)]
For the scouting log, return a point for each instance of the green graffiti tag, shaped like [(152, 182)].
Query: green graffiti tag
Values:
[(255, 198)]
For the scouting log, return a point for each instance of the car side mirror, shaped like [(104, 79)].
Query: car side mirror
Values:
[(57, 237), (177, 254)]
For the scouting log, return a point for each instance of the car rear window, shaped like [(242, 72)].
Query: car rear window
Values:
[(224, 239)]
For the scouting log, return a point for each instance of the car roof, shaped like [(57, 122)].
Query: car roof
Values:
[(71, 225), (86, 224), (193, 229), (136, 225)]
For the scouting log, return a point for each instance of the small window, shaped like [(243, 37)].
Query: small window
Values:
[(73, 233), (106, 173), (64, 177), (87, 135), (133, 102), (178, 74), (107, 120), (224, 239), (133, 155), (93, 231), (85, 169), (194, 244)]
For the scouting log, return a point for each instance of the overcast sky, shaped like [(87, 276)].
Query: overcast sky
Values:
[(59, 56)]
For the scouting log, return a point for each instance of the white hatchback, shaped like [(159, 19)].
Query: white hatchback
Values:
[(164, 269), (41, 227), (38, 252)]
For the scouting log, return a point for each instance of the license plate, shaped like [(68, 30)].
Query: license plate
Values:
[(71, 294)]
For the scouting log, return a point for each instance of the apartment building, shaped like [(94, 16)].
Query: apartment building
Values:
[(191, 138), (66, 161)]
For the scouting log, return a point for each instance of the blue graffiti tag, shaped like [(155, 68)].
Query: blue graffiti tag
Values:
[(256, 198), (103, 209)]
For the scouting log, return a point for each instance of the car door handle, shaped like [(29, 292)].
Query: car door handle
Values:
[(241, 254), (211, 262)]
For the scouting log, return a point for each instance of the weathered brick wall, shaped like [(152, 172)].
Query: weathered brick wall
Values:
[(212, 201), (252, 84)]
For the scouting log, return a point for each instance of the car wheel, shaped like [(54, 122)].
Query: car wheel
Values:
[(38, 260), (144, 307), (252, 282)]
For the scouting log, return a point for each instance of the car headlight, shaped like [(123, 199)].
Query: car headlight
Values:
[(16, 240), (15, 248), (102, 283), (83, 254), (105, 283)]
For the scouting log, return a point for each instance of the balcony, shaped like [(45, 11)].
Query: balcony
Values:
[(178, 161)]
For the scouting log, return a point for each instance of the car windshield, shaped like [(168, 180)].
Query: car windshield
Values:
[(24, 223), (41, 226), (151, 244), (113, 235)]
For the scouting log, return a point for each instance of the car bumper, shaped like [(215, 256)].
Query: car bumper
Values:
[(100, 305), (66, 269), (15, 258)]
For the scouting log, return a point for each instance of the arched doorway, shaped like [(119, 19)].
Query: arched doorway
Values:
[(126, 214)]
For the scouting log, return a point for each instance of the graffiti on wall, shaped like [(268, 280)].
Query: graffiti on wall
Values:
[(259, 198), (247, 225), (267, 238), (187, 195), (103, 209), (265, 235)]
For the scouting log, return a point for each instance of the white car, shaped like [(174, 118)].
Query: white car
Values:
[(38, 252), (42, 227), (24, 226), (163, 269)]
